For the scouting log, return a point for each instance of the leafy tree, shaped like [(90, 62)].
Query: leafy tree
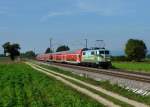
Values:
[(1, 55), (135, 49), (62, 48), (48, 50), (148, 56), (6, 47), (29, 54), (12, 49)]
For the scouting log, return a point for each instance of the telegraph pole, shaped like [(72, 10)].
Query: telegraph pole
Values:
[(50, 43), (34, 50), (86, 42)]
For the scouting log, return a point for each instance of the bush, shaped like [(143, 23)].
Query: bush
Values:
[(28, 54), (120, 58)]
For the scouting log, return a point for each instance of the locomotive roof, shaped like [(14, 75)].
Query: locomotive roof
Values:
[(94, 49)]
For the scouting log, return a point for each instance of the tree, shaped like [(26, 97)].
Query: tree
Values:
[(1, 55), (135, 49), (148, 56), (6, 47), (11, 49), (29, 54), (48, 50), (62, 48)]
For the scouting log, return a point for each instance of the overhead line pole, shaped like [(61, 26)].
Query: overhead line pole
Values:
[(102, 43), (50, 43), (86, 43), (34, 50)]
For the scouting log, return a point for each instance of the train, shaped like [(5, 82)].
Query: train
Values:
[(95, 57)]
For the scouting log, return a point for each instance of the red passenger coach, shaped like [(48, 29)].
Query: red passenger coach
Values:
[(40, 57), (74, 56), (47, 57), (43, 57), (65, 56), (57, 57)]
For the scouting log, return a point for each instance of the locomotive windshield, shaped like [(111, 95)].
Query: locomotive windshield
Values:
[(104, 52)]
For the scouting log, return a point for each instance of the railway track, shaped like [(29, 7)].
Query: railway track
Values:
[(143, 77)]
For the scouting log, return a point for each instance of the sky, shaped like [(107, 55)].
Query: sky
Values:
[(31, 23)]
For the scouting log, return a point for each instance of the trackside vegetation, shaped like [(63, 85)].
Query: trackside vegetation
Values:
[(106, 85), (22, 86), (133, 66)]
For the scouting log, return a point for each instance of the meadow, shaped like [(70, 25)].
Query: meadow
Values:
[(133, 66), (22, 86)]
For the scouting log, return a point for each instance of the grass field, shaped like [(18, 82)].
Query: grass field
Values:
[(21, 86), (133, 66)]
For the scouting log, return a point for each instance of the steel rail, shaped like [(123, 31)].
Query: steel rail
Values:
[(115, 73)]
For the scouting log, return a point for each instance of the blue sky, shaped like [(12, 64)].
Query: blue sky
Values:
[(32, 22)]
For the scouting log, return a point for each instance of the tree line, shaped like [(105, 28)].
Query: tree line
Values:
[(13, 51), (59, 49)]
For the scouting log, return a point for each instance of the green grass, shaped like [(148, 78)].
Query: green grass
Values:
[(106, 85), (133, 66), (22, 86)]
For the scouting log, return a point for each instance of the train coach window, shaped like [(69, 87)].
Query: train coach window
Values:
[(83, 53)]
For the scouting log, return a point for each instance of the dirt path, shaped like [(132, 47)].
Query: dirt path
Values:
[(116, 96)]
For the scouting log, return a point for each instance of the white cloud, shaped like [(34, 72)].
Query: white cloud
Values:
[(98, 7), (105, 7), (58, 14), (53, 14)]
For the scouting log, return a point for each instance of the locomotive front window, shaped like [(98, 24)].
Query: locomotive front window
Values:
[(101, 52), (106, 52)]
